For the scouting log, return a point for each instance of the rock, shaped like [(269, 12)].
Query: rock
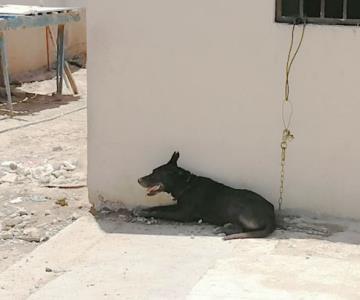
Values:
[(31, 235), (23, 171), (62, 202), (11, 222), (200, 221), (60, 174), (23, 212), (6, 236), (47, 269), (47, 213), (37, 172), (9, 164), (74, 216), (33, 212), (16, 200), (9, 178), (38, 198), (13, 166), (68, 166), (57, 148)]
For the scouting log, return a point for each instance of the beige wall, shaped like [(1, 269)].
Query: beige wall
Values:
[(205, 77), (27, 48)]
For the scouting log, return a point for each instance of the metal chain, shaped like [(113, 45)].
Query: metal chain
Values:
[(287, 136)]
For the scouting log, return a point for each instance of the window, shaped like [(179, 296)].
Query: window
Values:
[(331, 12)]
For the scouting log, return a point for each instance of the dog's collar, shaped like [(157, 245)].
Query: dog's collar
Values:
[(186, 188)]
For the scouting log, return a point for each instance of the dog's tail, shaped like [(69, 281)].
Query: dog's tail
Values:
[(268, 229)]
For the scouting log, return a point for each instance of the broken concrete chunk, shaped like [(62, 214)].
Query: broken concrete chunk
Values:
[(16, 200), (31, 235), (68, 166), (6, 236), (11, 222), (23, 212)]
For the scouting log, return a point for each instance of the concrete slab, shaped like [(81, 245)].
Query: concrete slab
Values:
[(112, 259)]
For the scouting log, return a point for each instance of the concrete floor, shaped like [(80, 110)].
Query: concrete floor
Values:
[(112, 259)]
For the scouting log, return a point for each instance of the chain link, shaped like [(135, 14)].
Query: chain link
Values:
[(287, 136)]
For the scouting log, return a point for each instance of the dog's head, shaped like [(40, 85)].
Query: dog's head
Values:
[(163, 178)]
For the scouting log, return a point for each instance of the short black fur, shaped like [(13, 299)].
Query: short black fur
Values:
[(241, 213)]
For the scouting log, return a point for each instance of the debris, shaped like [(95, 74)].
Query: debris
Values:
[(38, 198), (68, 166), (74, 217), (200, 221), (11, 222), (16, 200), (6, 236), (62, 202), (9, 164), (31, 235), (22, 212)]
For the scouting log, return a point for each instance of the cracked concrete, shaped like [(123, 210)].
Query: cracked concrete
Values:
[(109, 258)]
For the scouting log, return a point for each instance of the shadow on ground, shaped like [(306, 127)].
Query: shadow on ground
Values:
[(29, 103), (291, 227)]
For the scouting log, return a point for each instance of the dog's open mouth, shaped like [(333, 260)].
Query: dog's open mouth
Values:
[(153, 190)]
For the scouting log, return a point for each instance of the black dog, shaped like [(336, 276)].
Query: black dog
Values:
[(242, 213)]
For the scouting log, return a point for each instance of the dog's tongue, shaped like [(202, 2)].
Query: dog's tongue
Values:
[(152, 190)]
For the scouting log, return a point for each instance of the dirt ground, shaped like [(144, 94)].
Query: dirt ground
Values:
[(42, 166)]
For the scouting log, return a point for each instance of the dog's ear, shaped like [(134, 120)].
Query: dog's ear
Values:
[(174, 158)]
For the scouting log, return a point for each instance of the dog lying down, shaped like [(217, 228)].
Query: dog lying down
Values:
[(241, 213)]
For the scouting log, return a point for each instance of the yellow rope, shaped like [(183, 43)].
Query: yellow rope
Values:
[(287, 136)]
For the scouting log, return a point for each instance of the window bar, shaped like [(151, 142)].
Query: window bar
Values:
[(279, 8), (322, 9), (345, 6), (301, 9)]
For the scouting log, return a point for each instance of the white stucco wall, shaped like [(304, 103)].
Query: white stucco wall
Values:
[(206, 77), (27, 47)]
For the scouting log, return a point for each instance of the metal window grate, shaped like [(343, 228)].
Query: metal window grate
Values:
[(327, 12)]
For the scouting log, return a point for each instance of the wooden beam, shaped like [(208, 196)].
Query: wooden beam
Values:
[(68, 73), (5, 66), (21, 22), (60, 59)]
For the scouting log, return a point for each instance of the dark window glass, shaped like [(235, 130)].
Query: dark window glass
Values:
[(312, 8), (334, 9), (353, 11), (290, 8)]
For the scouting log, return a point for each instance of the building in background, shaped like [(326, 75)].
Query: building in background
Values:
[(27, 47)]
